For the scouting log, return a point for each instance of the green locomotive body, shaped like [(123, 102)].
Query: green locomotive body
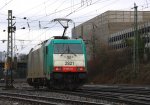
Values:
[(58, 63)]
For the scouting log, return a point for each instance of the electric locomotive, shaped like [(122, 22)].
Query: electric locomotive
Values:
[(58, 63)]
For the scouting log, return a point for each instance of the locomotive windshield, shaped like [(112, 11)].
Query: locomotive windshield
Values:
[(68, 49)]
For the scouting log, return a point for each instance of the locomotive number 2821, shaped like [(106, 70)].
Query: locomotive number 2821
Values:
[(69, 63)]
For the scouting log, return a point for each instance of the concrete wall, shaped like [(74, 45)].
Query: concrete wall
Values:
[(101, 27), (108, 23)]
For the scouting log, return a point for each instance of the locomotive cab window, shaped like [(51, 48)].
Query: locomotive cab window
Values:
[(68, 49), (46, 49)]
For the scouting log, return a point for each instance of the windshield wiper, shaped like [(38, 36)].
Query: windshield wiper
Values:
[(63, 50), (68, 50), (71, 52), (62, 53)]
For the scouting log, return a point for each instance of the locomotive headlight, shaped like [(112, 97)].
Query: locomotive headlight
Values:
[(80, 68), (57, 68)]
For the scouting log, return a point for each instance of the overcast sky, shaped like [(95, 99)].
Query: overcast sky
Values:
[(39, 14)]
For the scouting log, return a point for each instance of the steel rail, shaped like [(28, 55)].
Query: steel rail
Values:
[(122, 97), (111, 96), (119, 89), (44, 100)]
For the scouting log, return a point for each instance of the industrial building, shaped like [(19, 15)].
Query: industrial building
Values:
[(108, 23), (97, 31), (117, 40)]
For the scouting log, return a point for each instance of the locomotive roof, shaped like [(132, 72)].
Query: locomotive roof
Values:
[(56, 41), (68, 41)]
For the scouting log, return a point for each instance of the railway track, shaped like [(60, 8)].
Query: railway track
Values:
[(42, 100), (123, 98), (134, 96), (119, 97), (119, 89), (123, 95)]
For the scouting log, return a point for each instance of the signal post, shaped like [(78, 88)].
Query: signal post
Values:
[(8, 72)]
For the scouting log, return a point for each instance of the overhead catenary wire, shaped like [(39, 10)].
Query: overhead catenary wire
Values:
[(6, 4), (72, 12), (83, 16), (79, 16), (67, 15), (37, 37), (35, 7), (89, 13), (35, 14), (32, 21), (67, 8), (57, 11), (28, 10), (80, 8), (60, 5), (37, 21)]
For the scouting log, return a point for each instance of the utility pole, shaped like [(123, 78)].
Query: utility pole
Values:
[(135, 47), (9, 60)]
